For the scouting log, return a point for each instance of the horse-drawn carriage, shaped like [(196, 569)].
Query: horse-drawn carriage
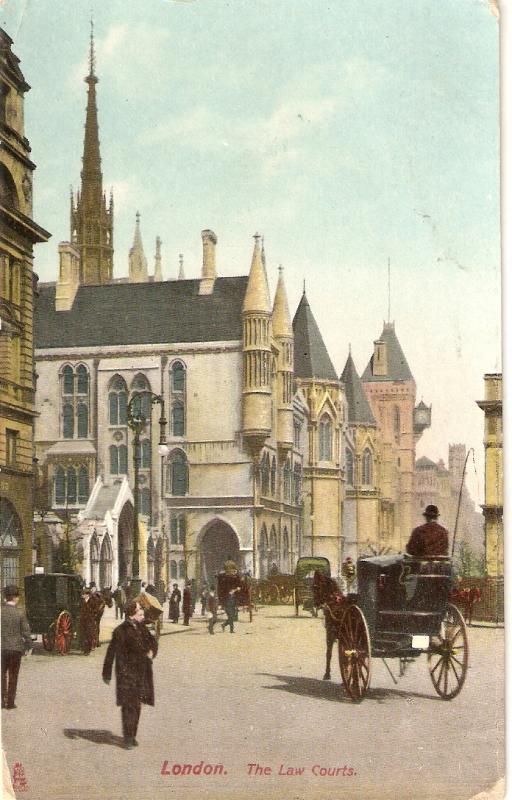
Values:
[(53, 608), (277, 587), (401, 611), (303, 584)]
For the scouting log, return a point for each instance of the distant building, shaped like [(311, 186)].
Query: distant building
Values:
[(18, 234), (493, 443)]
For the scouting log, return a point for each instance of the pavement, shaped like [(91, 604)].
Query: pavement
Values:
[(247, 715)]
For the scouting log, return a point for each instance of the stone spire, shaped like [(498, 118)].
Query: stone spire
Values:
[(257, 333), (283, 336), (91, 219), (137, 260), (181, 271), (158, 260)]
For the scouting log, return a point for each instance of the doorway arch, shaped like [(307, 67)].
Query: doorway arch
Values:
[(219, 544), (106, 563)]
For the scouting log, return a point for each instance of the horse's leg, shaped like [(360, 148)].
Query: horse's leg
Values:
[(329, 640)]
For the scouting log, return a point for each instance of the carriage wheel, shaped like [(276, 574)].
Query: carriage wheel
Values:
[(63, 632), (49, 638), (448, 656), (354, 652)]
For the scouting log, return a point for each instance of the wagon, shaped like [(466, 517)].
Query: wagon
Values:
[(275, 588), (53, 604), (303, 585), (402, 611)]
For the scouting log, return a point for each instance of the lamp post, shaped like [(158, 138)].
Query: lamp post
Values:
[(137, 422)]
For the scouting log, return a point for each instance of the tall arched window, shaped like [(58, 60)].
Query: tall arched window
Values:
[(178, 522), (145, 454), (349, 467), (182, 569), (11, 540), (141, 399), (114, 459), (68, 421), (82, 380), (367, 467), (265, 474), (71, 493), (82, 421), (123, 459), (145, 502), (177, 377), (274, 552), (287, 481), (60, 486), (117, 401), (178, 419), (325, 439), (83, 485), (177, 481), (297, 483), (285, 560), (263, 549), (68, 383), (174, 569)]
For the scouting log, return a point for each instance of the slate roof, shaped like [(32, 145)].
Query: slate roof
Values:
[(359, 411), (398, 368), (141, 313), (425, 463), (311, 359)]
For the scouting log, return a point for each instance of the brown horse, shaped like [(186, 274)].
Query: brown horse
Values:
[(328, 595)]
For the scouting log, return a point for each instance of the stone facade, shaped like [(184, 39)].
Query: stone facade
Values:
[(493, 443), (18, 234)]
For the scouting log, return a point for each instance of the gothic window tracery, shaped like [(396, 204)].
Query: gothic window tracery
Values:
[(75, 386), (367, 467), (177, 474), (117, 401), (349, 467), (325, 438), (178, 385)]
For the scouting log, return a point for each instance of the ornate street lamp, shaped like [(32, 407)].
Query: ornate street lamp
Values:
[(137, 422)]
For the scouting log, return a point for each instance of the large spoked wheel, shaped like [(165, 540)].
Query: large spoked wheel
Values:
[(49, 638), (448, 656), (63, 632), (354, 650)]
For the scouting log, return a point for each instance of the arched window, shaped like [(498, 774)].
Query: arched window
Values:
[(263, 548), (177, 481), (178, 419), (68, 421), (11, 540), (123, 459), (287, 481), (82, 421), (349, 467), (325, 439), (396, 421), (265, 474), (367, 467), (145, 502), (285, 560), (114, 459), (71, 486), (82, 380), (117, 401), (145, 454), (174, 569), (273, 472), (178, 529), (274, 552), (141, 398), (68, 380), (83, 485), (297, 483), (178, 377), (60, 486), (182, 569)]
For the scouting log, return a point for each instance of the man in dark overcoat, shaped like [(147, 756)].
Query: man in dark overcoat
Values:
[(430, 539), (133, 647), (187, 603), (230, 608), (16, 640), (174, 603), (88, 625)]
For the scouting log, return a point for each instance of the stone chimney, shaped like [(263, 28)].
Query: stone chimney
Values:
[(209, 272), (380, 358), (69, 276)]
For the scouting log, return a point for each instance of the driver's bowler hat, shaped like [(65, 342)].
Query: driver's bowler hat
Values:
[(431, 511)]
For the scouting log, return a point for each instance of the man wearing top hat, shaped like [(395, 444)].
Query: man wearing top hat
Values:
[(430, 539)]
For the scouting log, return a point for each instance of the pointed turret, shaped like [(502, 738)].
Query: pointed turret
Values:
[(359, 411), (388, 362), (91, 220), (311, 357), (283, 335), (257, 323), (138, 267), (181, 269), (158, 260)]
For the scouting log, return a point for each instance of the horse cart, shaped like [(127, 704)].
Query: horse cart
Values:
[(275, 588), (401, 611), (53, 608), (303, 585)]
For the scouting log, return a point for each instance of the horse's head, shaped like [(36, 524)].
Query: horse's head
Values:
[(324, 588)]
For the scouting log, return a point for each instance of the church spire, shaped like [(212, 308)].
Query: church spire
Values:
[(91, 218), (138, 266)]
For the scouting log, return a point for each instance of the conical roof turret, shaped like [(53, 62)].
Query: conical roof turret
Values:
[(281, 319), (397, 366), (311, 357), (257, 296), (359, 411)]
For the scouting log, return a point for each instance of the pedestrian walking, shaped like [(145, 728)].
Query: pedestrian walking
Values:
[(187, 603), (174, 603), (230, 608), (120, 600), (133, 648), (87, 624), (204, 599), (212, 609), (16, 640)]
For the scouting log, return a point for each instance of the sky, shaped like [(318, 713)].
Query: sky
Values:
[(347, 133)]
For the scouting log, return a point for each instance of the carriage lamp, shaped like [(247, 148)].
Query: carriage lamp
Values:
[(137, 421)]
